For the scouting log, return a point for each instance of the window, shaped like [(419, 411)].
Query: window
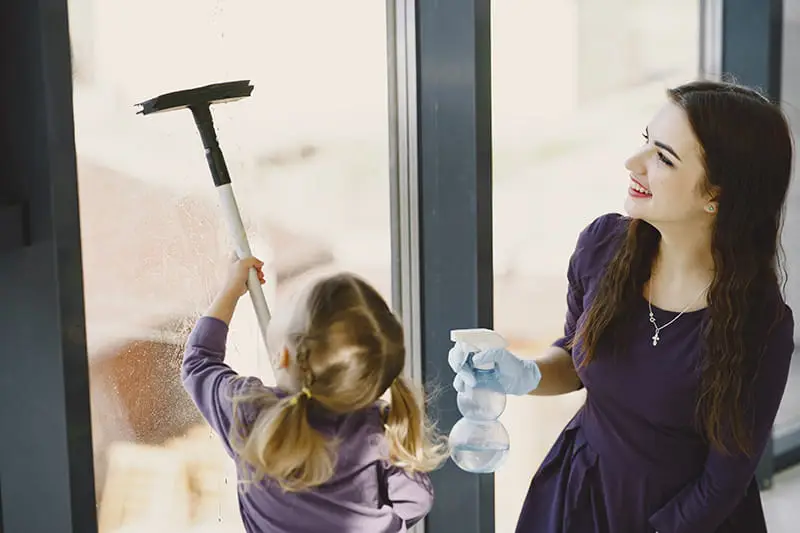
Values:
[(573, 85), (308, 155)]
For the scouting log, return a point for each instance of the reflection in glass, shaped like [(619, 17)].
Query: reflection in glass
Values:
[(573, 85), (308, 154)]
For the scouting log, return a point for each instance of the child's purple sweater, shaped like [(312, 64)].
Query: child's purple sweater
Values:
[(365, 494)]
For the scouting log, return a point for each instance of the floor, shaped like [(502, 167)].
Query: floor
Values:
[(781, 502), (788, 418)]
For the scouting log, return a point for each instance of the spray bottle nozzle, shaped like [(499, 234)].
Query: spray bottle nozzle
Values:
[(478, 340)]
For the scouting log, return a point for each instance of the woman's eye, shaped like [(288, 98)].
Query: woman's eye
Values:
[(664, 160)]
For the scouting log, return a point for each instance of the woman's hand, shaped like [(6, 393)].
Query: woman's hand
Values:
[(516, 376)]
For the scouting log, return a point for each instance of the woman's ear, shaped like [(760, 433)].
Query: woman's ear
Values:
[(712, 201)]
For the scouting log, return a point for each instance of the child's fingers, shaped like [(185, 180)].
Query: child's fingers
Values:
[(251, 262), (261, 277)]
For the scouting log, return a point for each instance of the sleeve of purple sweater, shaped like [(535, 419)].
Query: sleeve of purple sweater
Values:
[(410, 494), (210, 382)]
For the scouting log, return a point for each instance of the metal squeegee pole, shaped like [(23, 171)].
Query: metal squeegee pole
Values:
[(230, 210)]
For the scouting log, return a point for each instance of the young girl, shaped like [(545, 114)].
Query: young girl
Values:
[(319, 452)]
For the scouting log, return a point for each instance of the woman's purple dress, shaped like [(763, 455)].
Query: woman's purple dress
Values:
[(632, 459)]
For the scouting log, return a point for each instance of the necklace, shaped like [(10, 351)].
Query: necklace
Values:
[(653, 318)]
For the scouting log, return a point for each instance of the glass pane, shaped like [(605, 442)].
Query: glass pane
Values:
[(155, 249), (574, 84), (789, 414)]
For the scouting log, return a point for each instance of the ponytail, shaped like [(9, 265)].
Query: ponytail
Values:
[(414, 444), (284, 447)]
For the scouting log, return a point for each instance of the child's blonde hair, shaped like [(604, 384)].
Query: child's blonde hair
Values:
[(349, 349)]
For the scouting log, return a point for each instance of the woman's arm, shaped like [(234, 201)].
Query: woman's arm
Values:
[(553, 372), (558, 373)]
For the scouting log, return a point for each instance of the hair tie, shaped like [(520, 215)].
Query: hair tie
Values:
[(303, 392)]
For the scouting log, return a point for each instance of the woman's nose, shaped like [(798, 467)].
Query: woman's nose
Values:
[(636, 162)]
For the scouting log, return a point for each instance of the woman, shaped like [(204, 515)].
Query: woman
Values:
[(676, 327)]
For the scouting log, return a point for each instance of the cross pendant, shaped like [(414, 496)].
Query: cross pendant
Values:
[(655, 338)]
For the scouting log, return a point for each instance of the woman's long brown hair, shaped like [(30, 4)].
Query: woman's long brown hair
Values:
[(747, 150)]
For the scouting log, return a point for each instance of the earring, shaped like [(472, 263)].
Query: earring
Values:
[(710, 208)]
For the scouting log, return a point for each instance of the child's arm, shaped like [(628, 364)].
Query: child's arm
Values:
[(207, 378), (410, 494), (210, 382)]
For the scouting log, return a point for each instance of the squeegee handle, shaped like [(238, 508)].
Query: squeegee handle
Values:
[(233, 219), (230, 209), (208, 134)]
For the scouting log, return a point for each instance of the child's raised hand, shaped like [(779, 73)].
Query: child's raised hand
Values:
[(237, 275), (224, 304)]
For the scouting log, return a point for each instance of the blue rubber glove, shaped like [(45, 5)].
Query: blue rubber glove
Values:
[(516, 376)]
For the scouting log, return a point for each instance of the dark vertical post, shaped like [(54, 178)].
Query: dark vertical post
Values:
[(46, 448), (752, 52), (752, 43), (453, 56)]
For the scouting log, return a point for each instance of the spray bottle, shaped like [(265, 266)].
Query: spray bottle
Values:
[(479, 442)]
